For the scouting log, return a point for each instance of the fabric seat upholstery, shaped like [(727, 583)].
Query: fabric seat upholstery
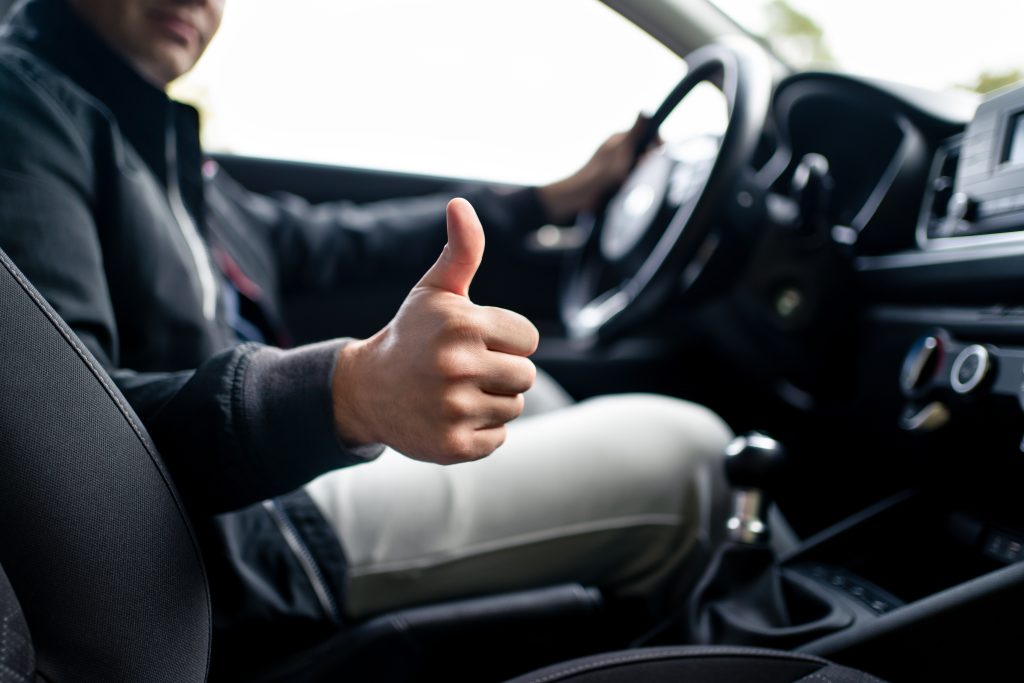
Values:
[(94, 540)]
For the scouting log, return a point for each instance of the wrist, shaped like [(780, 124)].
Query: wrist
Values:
[(561, 200), (349, 397)]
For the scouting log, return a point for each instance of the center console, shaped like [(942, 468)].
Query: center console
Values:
[(909, 589), (929, 584), (928, 593)]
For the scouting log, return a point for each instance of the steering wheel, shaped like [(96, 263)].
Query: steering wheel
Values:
[(655, 233)]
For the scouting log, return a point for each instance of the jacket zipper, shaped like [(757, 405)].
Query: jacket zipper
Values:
[(196, 247), (304, 557)]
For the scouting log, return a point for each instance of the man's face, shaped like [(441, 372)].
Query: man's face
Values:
[(161, 38)]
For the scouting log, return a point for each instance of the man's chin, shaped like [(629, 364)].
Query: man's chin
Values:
[(166, 67)]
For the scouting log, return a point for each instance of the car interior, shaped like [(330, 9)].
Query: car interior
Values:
[(838, 275)]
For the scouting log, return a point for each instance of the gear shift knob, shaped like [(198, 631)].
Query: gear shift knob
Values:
[(753, 464), (754, 461)]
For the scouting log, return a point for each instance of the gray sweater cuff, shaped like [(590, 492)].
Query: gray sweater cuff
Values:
[(286, 404)]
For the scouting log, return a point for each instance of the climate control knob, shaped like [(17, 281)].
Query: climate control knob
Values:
[(970, 368), (921, 363)]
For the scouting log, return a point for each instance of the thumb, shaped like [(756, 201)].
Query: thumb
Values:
[(454, 269)]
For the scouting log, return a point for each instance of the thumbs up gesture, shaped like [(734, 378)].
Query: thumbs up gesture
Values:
[(442, 379)]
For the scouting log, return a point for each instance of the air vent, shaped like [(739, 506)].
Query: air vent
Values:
[(936, 219)]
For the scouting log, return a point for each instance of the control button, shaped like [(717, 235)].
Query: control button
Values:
[(920, 364), (788, 302), (880, 606), (970, 368), (866, 593), (1003, 547), (926, 419), (942, 184), (962, 207)]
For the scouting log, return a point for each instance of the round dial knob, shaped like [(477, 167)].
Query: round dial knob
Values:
[(970, 369)]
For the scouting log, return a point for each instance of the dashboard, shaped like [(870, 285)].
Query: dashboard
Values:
[(916, 352), (917, 376), (879, 139)]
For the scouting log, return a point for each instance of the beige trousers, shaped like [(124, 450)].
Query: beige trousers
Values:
[(609, 492)]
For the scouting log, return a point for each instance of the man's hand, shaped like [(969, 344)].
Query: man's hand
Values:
[(440, 381), (604, 172)]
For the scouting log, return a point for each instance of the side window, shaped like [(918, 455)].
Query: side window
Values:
[(515, 91)]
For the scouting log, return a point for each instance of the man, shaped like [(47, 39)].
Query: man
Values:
[(164, 266)]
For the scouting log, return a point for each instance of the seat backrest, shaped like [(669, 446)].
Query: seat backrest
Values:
[(93, 537)]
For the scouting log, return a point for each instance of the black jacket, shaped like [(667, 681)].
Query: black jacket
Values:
[(92, 162)]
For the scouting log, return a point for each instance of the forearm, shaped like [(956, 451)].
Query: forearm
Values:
[(250, 423), (335, 242), (319, 246)]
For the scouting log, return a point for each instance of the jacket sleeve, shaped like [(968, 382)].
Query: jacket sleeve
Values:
[(318, 246), (251, 422)]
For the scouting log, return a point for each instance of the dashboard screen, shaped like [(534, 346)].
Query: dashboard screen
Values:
[(1015, 142)]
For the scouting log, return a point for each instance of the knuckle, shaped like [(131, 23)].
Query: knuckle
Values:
[(525, 330), (462, 325), (526, 376), (457, 363), (467, 445), (520, 403), (496, 440), (449, 363), (454, 408), (460, 446)]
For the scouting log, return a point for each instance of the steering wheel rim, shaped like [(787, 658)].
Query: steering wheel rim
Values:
[(741, 70)]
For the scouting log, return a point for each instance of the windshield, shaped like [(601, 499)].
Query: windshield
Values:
[(940, 45)]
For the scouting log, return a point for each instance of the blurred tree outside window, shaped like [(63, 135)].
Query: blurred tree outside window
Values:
[(939, 45)]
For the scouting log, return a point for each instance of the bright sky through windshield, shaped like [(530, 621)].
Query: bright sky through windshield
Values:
[(936, 44), (519, 91)]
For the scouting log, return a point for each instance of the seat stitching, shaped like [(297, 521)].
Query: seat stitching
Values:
[(690, 652)]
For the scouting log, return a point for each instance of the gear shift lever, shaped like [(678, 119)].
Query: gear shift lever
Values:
[(753, 465), (743, 597)]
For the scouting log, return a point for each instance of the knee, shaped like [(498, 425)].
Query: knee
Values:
[(660, 455), (668, 433), (672, 420)]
